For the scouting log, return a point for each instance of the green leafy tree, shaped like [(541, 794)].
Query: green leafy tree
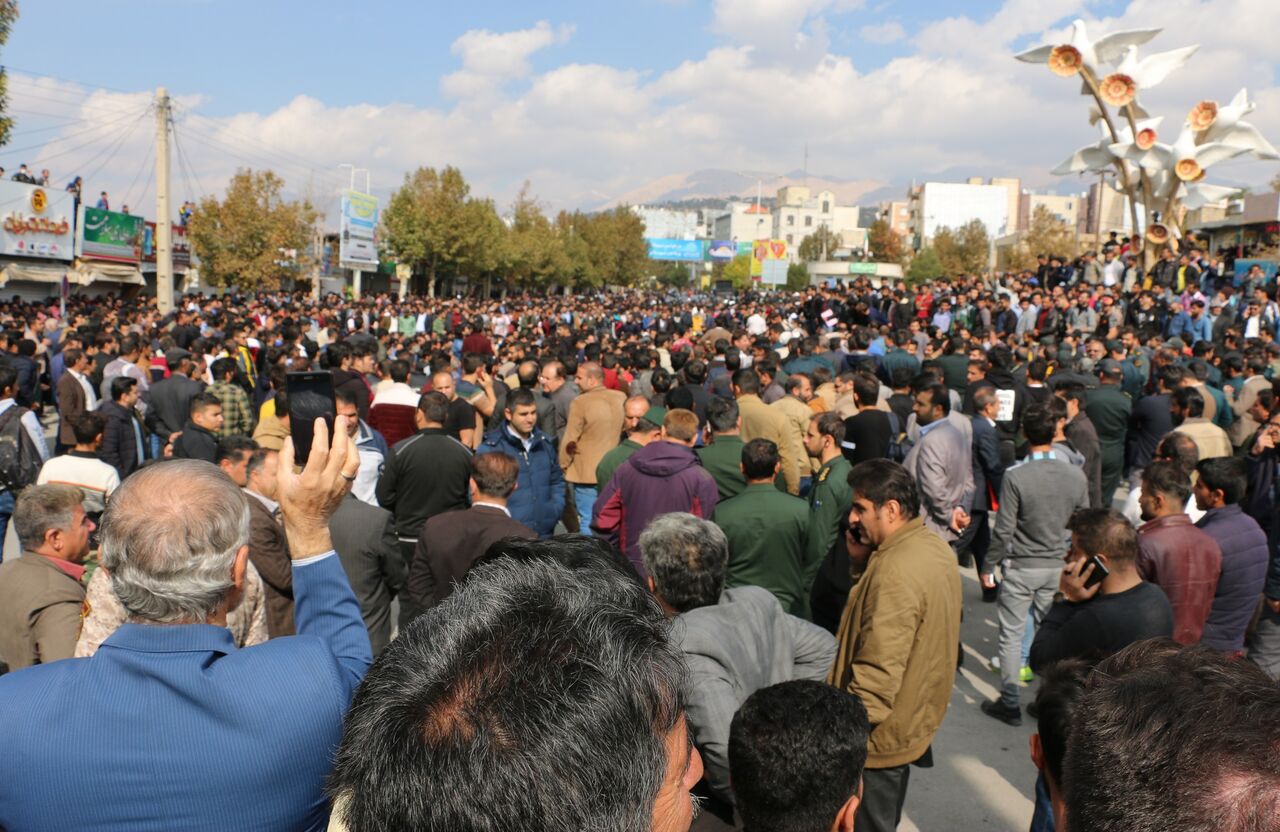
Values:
[(674, 275), (1046, 233), (819, 245), (252, 238), (885, 243), (739, 271), (797, 277), (432, 223), (965, 250), (925, 266), (619, 254), (8, 16), (535, 252)]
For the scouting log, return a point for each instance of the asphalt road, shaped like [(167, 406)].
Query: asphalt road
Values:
[(982, 776)]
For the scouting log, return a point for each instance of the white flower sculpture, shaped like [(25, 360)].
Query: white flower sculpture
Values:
[(1163, 178)]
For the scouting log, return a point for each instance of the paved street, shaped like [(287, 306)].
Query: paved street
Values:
[(983, 777)]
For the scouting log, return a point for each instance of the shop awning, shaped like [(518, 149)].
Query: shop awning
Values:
[(33, 272), (92, 271)]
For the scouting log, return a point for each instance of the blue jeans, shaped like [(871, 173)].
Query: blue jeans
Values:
[(1042, 820), (584, 500), (6, 511)]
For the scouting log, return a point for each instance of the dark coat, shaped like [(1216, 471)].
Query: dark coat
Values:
[(1245, 558), (71, 402), (538, 500), (269, 552), (170, 403), (448, 546), (988, 468), (424, 475), (119, 441), (1083, 436), (364, 537)]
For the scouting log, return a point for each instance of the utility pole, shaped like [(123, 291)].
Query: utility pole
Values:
[(164, 216)]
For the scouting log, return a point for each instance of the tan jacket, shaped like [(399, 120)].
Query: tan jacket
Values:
[(1243, 428), (765, 421), (594, 426), (898, 640), (40, 609), (1209, 438), (798, 415)]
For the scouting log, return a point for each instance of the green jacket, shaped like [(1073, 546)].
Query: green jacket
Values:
[(768, 531), (830, 499), (722, 459), (613, 459), (1108, 408)]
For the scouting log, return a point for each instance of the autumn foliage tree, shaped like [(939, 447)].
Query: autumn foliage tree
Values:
[(1047, 234), (885, 243), (252, 238), (963, 251)]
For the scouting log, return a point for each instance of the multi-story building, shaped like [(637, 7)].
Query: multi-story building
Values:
[(742, 222), (670, 224), (1064, 208), (936, 205)]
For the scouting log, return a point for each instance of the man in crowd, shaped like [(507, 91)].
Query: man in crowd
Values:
[(75, 394), (238, 417), (1108, 409), (427, 474), (454, 540), (539, 499), (132, 362), (767, 529), (761, 421), (829, 497), (124, 442), (41, 596), (559, 393), (722, 455), (370, 445), (83, 467), (795, 407), (171, 397), (1187, 407), (462, 422), (660, 478), (899, 638), (595, 422), (1219, 488), (272, 709), (869, 431), (1037, 500), (257, 472), (735, 641), (1094, 618), (1181, 559), (1083, 436), (988, 478), (797, 751), (1217, 771), (199, 439), (488, 646), (364, 536), (941, 465)]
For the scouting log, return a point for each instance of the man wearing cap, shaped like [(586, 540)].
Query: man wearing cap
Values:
[(1109, 408), (640, 432), (1221, 316)]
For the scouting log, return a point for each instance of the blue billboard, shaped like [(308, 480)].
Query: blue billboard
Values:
[(724, 250), (665, 249)]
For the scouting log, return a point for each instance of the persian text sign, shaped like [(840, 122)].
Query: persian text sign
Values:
[(37, 221), (109, 235)]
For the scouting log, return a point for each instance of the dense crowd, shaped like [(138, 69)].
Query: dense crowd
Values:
[(567, 560)]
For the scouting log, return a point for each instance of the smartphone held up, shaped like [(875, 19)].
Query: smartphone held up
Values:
[(310, 396)]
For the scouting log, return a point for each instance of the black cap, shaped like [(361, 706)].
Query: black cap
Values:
[(1110, 367)]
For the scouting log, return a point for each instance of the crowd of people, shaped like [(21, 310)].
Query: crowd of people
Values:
[(640, 560)]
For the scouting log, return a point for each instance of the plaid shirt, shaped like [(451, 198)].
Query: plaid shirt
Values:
[(237, 413)]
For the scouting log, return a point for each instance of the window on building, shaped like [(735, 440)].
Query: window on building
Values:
[(808, 221), (826, 207), (791, 219), (789, 240)]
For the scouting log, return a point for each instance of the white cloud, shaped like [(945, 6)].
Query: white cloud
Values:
[(583, 133), (888, 32)]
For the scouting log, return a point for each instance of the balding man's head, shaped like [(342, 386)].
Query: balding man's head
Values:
[(634, 410), (590, 375), (174, 559)]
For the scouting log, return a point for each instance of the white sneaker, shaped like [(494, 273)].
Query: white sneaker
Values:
[(994, 662)]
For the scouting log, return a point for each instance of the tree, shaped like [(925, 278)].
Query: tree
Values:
[(925, 266), (739, 271), (618, 253), (535, 255), (797, 277), (885, 243), (252, 238), (673, 275), (1046, 234), (432, 223), (963, 251), (8, 16), (819, 245)]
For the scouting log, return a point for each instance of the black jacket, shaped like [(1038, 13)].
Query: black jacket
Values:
[(170, 404), (195, 443), (119, 440), (425, 474)]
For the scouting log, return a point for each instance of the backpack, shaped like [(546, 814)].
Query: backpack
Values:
[(895, 451), (19, 459)]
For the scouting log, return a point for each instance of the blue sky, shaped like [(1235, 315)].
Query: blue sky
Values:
[(591, 102)]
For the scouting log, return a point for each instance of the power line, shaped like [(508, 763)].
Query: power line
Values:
[(81, 146), (297, 161), (94, 129), (150, 155), (254, 160), (183, 165), (95, 85), (124, 136)]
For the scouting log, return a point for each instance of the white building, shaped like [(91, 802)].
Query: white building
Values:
[(953, 204), (742, 222), (669, 224)]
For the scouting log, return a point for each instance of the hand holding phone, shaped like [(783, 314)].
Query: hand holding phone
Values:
[(310, 397), (1081, 579)]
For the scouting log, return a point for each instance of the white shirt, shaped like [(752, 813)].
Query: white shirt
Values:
[(502, 509), (95, 478), (397, 392)]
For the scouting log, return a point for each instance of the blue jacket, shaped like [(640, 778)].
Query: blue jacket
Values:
[(538, 500), (1245, 558), (174, 727)]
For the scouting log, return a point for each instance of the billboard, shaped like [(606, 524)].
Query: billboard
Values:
[(180, 248), (769, 261), (109, 235), (722, 250), (37, 222), (666, 249), (357, 247)]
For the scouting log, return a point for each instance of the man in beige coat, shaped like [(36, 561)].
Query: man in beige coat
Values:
[(761, 421), (795, 406), (899, 634), (1245, 426), (595, 422), (41, 594)]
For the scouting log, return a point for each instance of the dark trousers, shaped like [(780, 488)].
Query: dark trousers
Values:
[(884, 791), (408, 608)]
